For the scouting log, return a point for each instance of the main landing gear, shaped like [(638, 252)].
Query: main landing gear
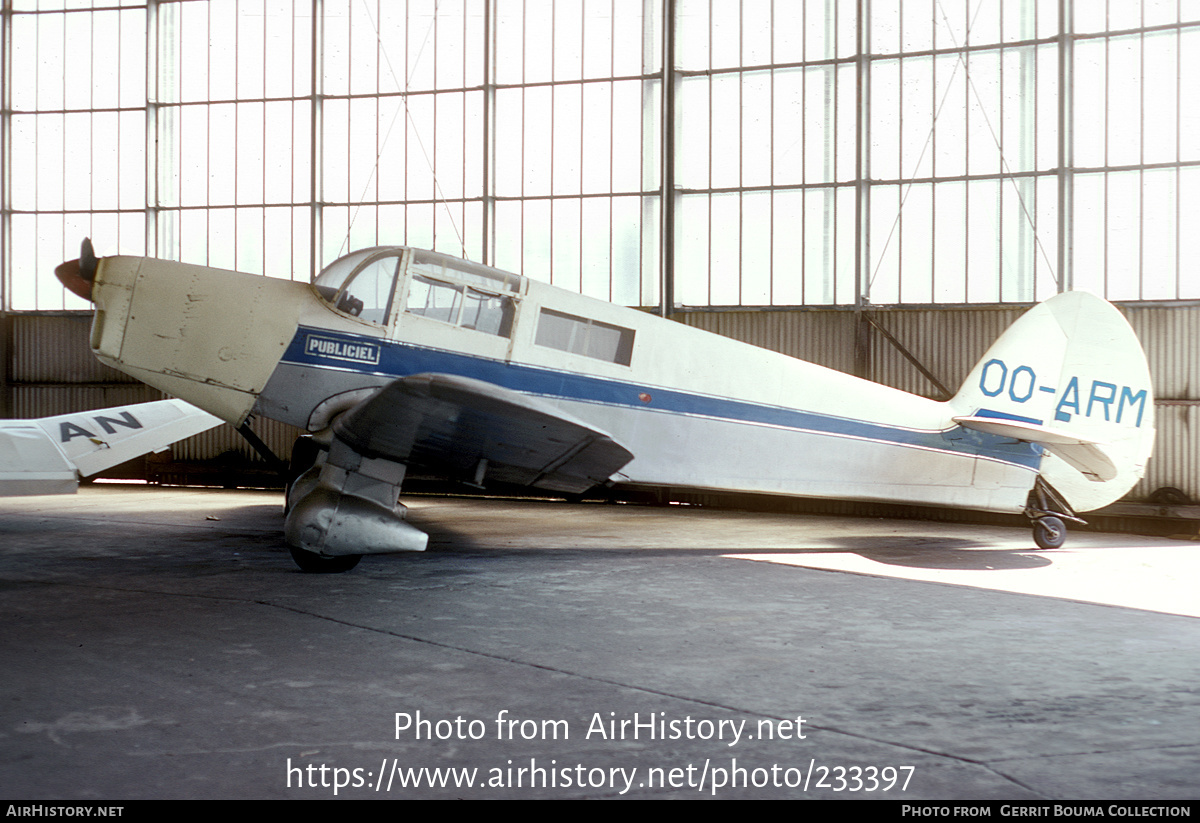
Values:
[(1048, 509), (314, 563), (306, 455)]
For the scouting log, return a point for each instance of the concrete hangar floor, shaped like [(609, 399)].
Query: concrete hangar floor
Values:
[(159, 643)]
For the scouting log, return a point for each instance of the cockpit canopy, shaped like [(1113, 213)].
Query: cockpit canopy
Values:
[(362, 283), (366, 284)]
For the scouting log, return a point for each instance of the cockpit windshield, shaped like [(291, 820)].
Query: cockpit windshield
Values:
[(362, 284)]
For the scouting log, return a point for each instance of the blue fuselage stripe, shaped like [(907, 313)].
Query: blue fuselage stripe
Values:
[(391, 359)]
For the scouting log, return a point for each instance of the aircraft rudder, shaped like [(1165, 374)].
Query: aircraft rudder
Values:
[(1071, 366)]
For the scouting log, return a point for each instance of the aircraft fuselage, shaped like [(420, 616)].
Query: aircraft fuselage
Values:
[(695, 410)]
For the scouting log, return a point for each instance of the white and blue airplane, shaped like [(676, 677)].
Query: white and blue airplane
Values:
[(394, 357)]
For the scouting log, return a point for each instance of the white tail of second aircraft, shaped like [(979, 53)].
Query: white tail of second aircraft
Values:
[(1071, 376)]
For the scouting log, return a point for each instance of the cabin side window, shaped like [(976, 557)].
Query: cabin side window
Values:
[(582, 335), (491, 313), (461, 305), (432, 298)]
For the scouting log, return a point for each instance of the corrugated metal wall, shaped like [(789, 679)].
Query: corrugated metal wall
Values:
[(50, 369), (1171, 337)]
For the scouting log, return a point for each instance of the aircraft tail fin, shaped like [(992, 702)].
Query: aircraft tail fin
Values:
[(1070, 376)]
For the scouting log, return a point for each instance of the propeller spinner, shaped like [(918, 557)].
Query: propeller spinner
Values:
[(77, 275)]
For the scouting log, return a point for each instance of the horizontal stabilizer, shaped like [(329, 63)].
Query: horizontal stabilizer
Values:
[(1081, 453), (49, 455)]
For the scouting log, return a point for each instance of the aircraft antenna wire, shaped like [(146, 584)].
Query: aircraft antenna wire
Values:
[(961, 61), (408, 115)]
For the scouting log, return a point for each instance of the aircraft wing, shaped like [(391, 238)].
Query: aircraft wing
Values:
[(49, 455), (470, 429), (1085, 455)]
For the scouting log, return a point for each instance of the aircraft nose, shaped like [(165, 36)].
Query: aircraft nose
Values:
[(78, 275)]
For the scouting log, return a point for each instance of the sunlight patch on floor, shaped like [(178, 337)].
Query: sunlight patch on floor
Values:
[(1158, 578)]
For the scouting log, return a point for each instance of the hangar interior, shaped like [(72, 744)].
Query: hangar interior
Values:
[(876, 186)]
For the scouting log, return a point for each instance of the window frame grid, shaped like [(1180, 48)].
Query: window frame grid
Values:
[(659, 195)]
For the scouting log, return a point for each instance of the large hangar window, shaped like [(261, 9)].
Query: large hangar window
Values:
[(651, 152)]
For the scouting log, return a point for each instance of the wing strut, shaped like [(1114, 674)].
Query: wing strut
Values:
[(277, 465)]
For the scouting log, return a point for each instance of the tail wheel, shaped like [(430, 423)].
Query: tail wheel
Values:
[(1049, 532)]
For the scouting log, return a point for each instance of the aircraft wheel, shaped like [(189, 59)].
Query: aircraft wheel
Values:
[(304, 456), (313, 563), (1049, 532)]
